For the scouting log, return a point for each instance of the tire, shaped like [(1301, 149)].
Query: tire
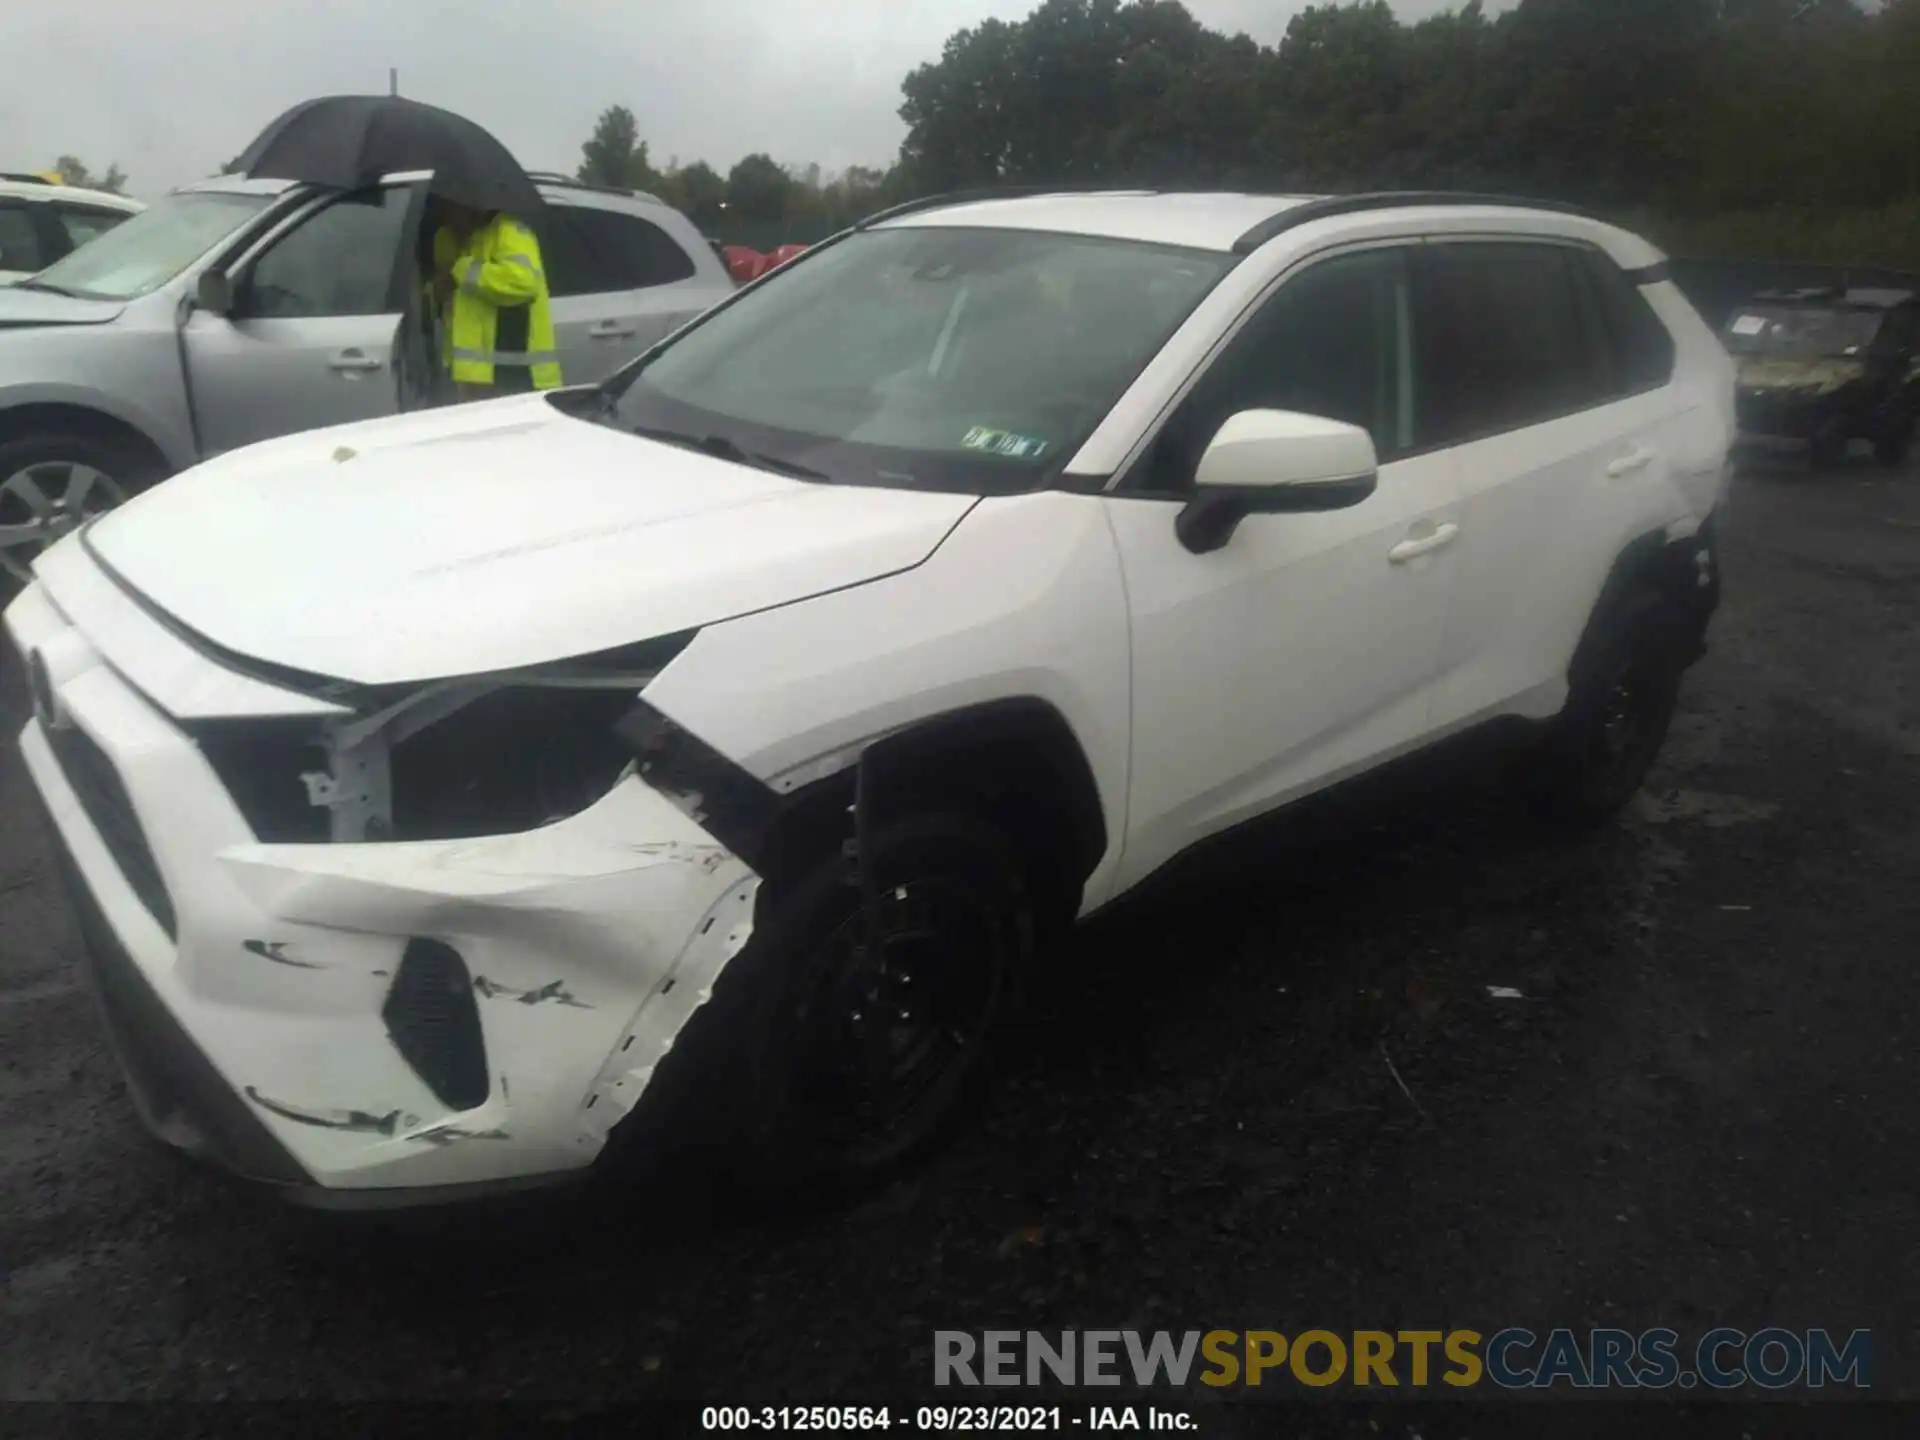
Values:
[(1625, 688), (770, 1068), (53, 480)]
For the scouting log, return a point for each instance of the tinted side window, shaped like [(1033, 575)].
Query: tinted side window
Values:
[(338, 262), (1641, 342), (19, 239), (565, 256), (1334, 340), (1504, 341), (592, 251)]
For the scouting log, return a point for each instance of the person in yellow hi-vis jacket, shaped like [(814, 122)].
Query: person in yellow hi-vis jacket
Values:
[(495, 322)]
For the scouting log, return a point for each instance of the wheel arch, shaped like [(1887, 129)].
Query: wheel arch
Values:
[(1657, 563), (37, 416), (1014, 761)]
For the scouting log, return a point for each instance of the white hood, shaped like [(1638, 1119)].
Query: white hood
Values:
[(492, 537)]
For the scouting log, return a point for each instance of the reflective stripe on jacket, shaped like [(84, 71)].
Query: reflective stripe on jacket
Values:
[(501, 329)]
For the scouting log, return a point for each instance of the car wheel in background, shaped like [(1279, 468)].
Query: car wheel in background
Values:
[(51, 483)]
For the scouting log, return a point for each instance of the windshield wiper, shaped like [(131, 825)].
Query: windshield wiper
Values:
[(721, 448)]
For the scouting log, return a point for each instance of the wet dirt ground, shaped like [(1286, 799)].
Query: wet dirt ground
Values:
[(1295, 1104)]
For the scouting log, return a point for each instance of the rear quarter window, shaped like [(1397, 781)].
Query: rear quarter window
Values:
[(1642, 344), (588, 251)]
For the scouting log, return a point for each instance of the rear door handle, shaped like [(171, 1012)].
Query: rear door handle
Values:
[(613, 330), (1628, 464), (1413, 549), (354, 362)]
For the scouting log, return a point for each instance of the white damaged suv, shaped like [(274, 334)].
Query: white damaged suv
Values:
[(447, 796)]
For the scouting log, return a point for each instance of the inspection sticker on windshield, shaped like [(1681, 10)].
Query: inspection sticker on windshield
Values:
[(1004, 442), (1749, 325)]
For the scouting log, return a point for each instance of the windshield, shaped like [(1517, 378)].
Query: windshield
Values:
[(1801, 330), (975, 360), (146, 251)]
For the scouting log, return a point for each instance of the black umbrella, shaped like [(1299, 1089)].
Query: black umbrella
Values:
[(346, 141)]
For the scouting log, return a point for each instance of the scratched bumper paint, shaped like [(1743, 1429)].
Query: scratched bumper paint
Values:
[(589, 942)]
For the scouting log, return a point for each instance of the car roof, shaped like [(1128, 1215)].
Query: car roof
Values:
[(554, 188), (236, 185), (47, 190), (1238, 221), (1197, 221)]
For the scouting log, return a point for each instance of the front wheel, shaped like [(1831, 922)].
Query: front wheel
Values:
[(850, 1034), (51, 483)]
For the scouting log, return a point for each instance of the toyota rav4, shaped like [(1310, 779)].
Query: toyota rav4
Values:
[(448, 797)]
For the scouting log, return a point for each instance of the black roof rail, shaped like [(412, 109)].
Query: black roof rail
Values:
[(1000, 192), (1330, 206)]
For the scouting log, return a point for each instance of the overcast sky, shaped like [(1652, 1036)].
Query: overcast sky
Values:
[(169, 92)]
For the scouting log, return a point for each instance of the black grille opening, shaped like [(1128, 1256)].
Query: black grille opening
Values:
[(515, 759), (104, 798), (260, 763), (434, 1023)]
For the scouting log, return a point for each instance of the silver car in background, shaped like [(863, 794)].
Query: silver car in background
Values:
[(237, 310)]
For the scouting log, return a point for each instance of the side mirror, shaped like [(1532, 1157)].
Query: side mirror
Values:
[(1275, 462), (214, 292)]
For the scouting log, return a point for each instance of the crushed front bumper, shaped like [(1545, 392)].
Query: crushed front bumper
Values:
[(377, 1024)]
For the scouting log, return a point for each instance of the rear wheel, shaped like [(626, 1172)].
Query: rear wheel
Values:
[(1621, 702), (51, 483)]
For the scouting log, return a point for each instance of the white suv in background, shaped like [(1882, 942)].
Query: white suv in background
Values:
[(703, 756), (41, 221)]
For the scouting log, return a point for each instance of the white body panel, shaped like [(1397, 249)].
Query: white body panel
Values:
[(795, 693), (1277, 663)]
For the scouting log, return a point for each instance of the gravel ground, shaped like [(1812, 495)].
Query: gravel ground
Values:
[(1701, 1111)]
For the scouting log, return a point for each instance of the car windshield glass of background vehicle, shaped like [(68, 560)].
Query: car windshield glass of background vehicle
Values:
[(1804, 330), (945, 358), (140, 256)]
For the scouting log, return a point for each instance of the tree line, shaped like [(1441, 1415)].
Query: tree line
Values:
[(758, 190), (1784, 128), (74, 171), (1751, 126)]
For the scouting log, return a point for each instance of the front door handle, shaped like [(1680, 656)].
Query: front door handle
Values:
[(1413, 549), (613, 330), (1630, 463), (354, 362)]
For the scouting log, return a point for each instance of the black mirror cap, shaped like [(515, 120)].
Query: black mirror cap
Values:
[(1207, 521), (214, 292)]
